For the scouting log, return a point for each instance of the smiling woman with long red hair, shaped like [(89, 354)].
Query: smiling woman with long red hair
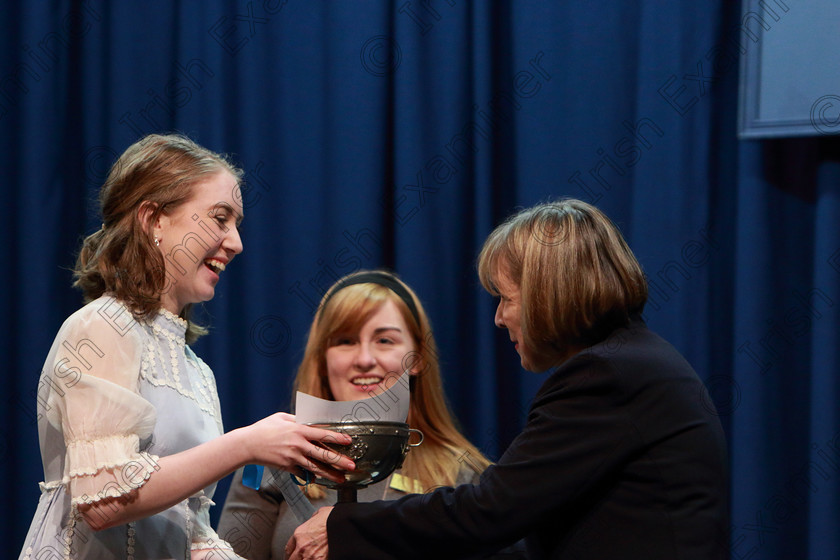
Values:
[(370, 327)]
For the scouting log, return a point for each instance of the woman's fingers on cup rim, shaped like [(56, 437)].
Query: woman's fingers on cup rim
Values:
[(338, 438), (323, 471), (313, 433), (330, 458)]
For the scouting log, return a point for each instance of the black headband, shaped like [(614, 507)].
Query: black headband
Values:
[(380, 278)]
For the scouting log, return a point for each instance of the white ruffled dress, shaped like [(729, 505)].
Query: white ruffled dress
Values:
[(114, 396)]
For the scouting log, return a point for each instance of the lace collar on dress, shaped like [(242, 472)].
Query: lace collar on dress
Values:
[(170, 323)]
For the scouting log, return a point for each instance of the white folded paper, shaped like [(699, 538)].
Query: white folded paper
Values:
[(389, 406)]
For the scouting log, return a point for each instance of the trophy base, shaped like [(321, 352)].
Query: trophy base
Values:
[(346, 495)]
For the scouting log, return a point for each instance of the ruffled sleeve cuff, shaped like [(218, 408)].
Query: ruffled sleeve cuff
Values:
[(204, 539), (212, 546), (208, 542), (107, 467)]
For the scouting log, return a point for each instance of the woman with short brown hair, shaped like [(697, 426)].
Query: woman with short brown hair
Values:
[(622, 456), (578, 278)]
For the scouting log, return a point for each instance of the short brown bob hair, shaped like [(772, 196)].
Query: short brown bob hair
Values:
[(577, 277)]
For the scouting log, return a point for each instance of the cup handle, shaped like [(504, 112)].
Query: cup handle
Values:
[(421, 437)]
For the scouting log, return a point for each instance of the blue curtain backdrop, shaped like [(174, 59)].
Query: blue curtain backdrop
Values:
[(398, 134)]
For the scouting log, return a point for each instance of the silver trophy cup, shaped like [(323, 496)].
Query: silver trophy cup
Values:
[(378, 449)]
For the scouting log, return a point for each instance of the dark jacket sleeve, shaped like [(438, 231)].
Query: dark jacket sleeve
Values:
[(576, 435), (622, 457)]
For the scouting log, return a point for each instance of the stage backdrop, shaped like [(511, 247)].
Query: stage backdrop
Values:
[(398, 134)]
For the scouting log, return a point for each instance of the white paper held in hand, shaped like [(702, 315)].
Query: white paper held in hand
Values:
[(390, 405)]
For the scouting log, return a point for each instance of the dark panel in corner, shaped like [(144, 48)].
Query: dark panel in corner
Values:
[(790, 68)]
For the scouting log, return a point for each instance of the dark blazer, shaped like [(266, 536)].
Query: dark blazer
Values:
[(622, 457)]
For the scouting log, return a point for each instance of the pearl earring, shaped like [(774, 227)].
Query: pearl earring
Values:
[(157, 241)]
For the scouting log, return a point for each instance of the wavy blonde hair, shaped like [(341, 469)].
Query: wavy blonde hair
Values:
[(437, 461), (121, 258), (577, 276)]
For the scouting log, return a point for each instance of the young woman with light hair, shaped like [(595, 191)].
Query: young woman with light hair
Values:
[(369, 328)]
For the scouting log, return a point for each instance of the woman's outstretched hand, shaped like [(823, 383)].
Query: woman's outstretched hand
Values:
[(279, 441)]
